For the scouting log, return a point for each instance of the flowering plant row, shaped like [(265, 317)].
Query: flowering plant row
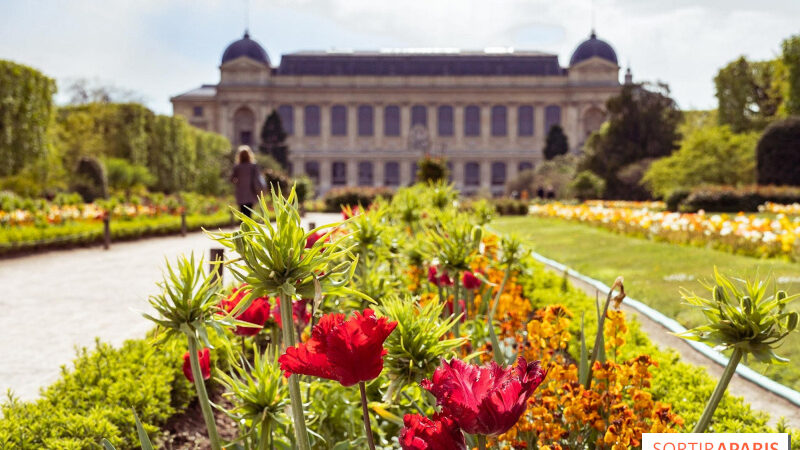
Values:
[(751, 235), (406, 325), (67, 209), (777, 208)]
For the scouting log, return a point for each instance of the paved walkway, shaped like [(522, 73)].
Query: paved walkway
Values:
[(53, 302)]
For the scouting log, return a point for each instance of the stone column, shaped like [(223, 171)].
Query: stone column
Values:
[(352, 171), (405, 122), (486, 174), (325, 175), (512, 122), (377, 173), (458, 126), (377, 113), (486, 125), (299, 129), (458, 173), (352, 126), (539, 133), (325, 125)]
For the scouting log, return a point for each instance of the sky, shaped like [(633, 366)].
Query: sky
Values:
[(161, 48)]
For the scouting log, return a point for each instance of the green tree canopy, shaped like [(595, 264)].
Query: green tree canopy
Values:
[(790, 62), (778, 153), (707, 155), (273, 140), (748, 94), (556, 143), (643, 125)]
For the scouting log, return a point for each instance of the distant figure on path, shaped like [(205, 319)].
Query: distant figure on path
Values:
[(540, 192), (247, 180)]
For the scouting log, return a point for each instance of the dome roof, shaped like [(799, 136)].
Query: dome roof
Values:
[(593, 47), (245, 47)]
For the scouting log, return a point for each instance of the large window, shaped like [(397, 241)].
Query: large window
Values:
[(472, 174), (525, 121), (391, 174), (419, 115), (365, 177), (445, 120), (286, 113), (391, 121), (338, 120), (339, 173), (498, 173), (311, 120), (472, 120), (499, 122), (525, 165), (197, 111), (366, 121), (312, 171), (552, 116)]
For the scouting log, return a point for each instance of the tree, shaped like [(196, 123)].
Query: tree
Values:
[(587, 185), (556, 143), (707, 155), (790, 61), (273, 140), (83, 91), (643, 124), (748, 96), (431, 170), (778, 153)]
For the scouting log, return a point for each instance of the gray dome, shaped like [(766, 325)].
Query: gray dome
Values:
[(245, 47), (593, 47)]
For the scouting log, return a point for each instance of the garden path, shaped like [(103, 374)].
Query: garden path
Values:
[(758, 397), (53, 302)]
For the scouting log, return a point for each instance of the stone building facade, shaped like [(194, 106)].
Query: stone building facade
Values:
[(365, 118)]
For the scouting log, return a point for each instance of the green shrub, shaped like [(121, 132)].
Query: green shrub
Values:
[(778, 153), (304, 187), (587, 185), (93, 400), (431, 170), (675, 198), (730, 199), (511, 207), (90, 180), (336, 198)]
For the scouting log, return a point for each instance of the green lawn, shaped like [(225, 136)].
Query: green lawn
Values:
[(654, 271)]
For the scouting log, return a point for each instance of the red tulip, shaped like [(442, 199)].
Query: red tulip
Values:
[(461, 304), (432, 276), (438, 433), (300, 312), (313, 238), (486, 399), (348, 351), (257, 313), (443, 280), (470, 281), (205, 364), (348, 212)]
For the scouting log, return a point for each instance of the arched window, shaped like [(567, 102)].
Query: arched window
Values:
[(419, 115), (244, 122), (525, 165), (472, 120), (498, 173), (445, 120), (391, 120), (311, 120), (312, 171), (525, 120), (499, 122), (286, 113), (338, 120), (391, 174), (366, 121), (552, 116), (339, 173), (365, 173), (472, 174)]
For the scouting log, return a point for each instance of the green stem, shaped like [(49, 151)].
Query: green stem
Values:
[(202, 395), (481, 442), (598, 341), (266, 433), (367, 426), (456, 305), (713, 402), (287, 320)]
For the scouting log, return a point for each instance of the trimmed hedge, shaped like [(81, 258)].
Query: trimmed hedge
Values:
[(336, 198), (731, 199), (94, 400), (511, 207), (778, 153)]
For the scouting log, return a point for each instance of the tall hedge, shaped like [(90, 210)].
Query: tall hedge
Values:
[(180, 156), (778, 153), (26, 108)]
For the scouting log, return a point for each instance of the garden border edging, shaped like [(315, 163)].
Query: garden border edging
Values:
[(673, 326)]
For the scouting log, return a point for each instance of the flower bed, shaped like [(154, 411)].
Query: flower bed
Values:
[(387, 318), (31, 225), (750, 235)]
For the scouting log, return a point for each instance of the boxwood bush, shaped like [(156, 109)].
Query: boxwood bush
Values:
[(732, 199)]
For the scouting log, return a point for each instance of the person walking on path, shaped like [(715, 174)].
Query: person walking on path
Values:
[(247, 180)]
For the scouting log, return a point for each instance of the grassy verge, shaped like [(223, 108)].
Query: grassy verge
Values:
[(654, 271)]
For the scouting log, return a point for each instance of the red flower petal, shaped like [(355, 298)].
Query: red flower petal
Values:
[(438, 433), (204, 356)]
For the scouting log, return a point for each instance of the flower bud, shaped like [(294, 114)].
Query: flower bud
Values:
[(747, 305), (791, 324), (477, 234)]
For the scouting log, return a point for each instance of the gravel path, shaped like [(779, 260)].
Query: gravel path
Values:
[(758, 397), (53, 302)]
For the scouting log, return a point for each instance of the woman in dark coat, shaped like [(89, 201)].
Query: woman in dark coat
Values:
[(246, 180)]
